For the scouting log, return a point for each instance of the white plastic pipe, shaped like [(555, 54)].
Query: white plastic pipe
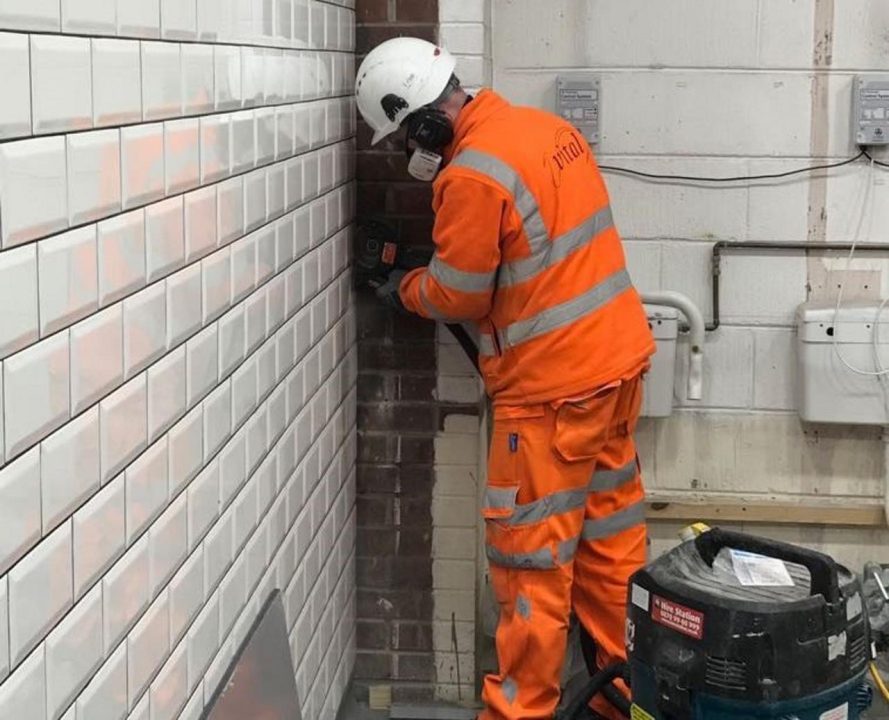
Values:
[(698, 332)]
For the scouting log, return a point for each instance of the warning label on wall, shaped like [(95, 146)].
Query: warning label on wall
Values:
[(677, 617)]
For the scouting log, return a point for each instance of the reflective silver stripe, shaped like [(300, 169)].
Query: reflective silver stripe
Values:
[(430, 309), (486, 346), (587, 232), (510, 690), (615, 523), (568, 312), (525, 202), (523, 607), (538, 560), (568, 549), (461, 280), (500, 498), (553, 504), (613, 479)]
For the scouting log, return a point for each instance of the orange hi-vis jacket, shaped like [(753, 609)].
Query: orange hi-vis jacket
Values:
[(525, 245)]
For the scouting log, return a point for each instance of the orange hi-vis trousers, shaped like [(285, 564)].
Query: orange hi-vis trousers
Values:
[(565, 528)]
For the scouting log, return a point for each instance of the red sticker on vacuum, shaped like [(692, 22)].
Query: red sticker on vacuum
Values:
[(390, 251), (677, 617)]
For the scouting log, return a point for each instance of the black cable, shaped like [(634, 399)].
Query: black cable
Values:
[(875, 162), (604, 677), (739, 178)]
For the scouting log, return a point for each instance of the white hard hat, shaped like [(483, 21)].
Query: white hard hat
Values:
[(398, 77)]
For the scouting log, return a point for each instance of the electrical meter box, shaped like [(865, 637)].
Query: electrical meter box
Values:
[(870, 114), (835, 353), (577, 101), (657, 394)]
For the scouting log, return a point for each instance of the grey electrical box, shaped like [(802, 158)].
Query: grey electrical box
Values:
[(871, 110), (577, 100)]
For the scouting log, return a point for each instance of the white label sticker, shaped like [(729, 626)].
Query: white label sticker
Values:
[(853, 607), (761, 571), (836, 646), (840, 713), (641, 597)]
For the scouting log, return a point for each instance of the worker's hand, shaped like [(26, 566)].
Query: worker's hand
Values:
[(388, 291)]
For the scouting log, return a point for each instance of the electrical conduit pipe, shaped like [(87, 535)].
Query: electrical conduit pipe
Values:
[(697, 334)]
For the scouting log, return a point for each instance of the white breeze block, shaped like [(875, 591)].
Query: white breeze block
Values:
[(15, 85), (61, 83)]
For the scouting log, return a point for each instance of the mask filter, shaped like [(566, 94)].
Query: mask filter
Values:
[(424, 165)]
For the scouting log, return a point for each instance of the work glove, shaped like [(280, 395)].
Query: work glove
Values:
[(388, 291)]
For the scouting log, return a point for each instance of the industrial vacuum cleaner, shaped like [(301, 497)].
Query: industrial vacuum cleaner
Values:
[(726, 626)]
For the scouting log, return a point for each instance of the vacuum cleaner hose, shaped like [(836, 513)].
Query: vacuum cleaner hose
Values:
[(597, 684)]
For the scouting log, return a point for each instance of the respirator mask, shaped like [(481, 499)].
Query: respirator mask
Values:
[(429, 131)]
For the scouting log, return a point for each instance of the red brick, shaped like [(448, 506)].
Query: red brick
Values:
[(415, 667), (418, 11), (373, 635), (367, 37), (382, 166), (374, 666), (371, 11)]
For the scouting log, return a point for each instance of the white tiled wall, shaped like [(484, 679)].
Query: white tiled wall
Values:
[(177, 362)]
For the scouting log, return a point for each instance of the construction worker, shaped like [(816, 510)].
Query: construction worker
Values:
[(525, 246)]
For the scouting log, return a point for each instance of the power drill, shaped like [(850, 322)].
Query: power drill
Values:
[(377, 253)]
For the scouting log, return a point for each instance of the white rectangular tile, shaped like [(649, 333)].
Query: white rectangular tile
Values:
[(244, 391), (125, 593), (99, 531), (197, 76), (227, 87), (203, 503), (139, 19), (18, 299), (232, 595), (161, 80), (69, 468), (200, 223), (96, 357), (42, 15), (74, 652), (232, 336), (182, 155), (61, 83), (20, 510), (183, 304), (36, 392), (252, 76), (257, 440), (123, 424), (164, 238), (121, 243), (142, 710), (266, 369), (178, 20), (266, 241), (85, 17), (144, 328), (266, 135), (232, 468), (142, 164), (217, 419), (15, 86), (169, 690), (23, 695), (117, 81), (215, 148), (230, 210), (203, 641), (277, 181), (167, 544), (243, 267), (202, 362), (166, 392), (147, 646), (39, 592), (105, 697), (69, 279), (218, 551), (33, 189), (273, 76), (255, 206), (243, 141), (146, 489), (256, 320), (186, 450), (186, 595), (4, 630), (216, 271), (301, 24)]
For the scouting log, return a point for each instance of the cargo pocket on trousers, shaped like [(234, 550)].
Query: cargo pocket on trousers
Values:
[(584, 425), (497, 510)]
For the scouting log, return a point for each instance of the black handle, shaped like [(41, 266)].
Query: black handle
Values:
[(822, 568)]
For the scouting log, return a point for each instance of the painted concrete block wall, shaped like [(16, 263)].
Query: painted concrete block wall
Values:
[(177, 349), (728, 88)]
